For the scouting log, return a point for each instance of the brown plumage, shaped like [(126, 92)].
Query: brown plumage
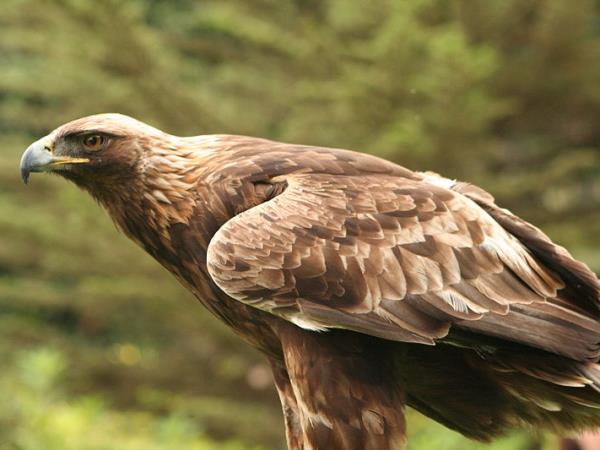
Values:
[(367, 285)]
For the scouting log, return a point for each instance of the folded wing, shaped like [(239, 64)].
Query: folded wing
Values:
[(401, 259)]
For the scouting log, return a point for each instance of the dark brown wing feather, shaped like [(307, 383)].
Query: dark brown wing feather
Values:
[(582, 285), (401, 259)]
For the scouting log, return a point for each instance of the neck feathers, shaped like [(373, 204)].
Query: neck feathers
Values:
[(164, 192)]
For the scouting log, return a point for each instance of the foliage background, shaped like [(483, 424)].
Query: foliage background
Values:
[(99, 347)]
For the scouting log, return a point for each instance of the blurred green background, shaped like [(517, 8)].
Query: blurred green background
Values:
[(99, 347)]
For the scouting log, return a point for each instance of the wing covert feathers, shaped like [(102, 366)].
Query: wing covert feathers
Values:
[(404, 259)]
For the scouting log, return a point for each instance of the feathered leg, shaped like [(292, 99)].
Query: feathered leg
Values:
[(293, 428), (346, 395)]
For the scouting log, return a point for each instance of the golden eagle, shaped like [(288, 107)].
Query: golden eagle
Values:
[(368, 286)]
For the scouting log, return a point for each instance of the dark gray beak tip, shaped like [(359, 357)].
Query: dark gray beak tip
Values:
[(25, 166), (25, 174)]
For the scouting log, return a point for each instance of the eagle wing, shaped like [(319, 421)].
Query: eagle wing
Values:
[(397, 258)]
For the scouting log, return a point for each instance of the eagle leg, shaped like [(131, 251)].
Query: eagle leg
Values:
[(345, 395), (293, 428)]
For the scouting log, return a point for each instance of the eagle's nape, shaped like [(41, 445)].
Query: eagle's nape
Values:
[(367, 285)]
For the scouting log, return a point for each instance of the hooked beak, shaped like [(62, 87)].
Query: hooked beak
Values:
[(39, 158)]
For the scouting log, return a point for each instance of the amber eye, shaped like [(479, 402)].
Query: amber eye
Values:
[(93, 141)]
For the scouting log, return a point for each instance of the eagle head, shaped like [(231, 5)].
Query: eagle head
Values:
[(94, 152), (130, 167)]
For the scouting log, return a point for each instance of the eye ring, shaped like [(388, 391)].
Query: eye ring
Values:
[(94, 142)]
